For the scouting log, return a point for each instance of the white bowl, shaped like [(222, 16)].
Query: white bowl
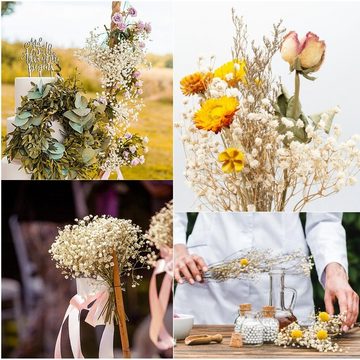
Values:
[(182, 326)]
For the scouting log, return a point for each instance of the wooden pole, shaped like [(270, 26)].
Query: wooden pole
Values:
[(115, 8), (120, 309)]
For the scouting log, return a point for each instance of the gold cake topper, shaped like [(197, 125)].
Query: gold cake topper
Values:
[(39, 57)]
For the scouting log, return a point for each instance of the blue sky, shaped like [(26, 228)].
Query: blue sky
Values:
[(67, 23)]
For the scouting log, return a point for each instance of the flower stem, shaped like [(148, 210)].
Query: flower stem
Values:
[(296, 96)]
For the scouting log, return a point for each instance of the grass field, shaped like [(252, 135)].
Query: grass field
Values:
[(155, 122)]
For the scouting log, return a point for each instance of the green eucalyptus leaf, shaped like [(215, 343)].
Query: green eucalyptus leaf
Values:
[(40, 86), (34, 95), (24, 115), (72, 117), (36, 121), (20, 122), (82, 111), (88, 154), (78, 128), (80, 101), (55, 156), (46, 91), (56, 148)]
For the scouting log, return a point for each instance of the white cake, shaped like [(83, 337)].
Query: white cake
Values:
[(12, 171)]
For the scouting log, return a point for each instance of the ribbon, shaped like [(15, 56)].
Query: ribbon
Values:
[(93, 318), (107, 174), (159, 302)]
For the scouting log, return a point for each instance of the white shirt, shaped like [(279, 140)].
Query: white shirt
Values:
[(218, 235)]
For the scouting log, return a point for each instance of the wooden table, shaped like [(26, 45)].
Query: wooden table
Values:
[(350, 343)]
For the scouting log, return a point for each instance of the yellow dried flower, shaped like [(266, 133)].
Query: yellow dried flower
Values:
[(322, 334), (324, 316), (215, 114), (244, 262), (195, 83), (233, 160), (296, 334), (232, 72)]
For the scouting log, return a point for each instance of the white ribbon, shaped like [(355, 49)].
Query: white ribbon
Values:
[(96, 293), (107, 174)]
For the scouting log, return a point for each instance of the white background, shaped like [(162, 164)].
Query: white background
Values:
[(68, 23), (205, 28)]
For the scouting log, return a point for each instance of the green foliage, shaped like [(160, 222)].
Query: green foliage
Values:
[(32, 143), (7, 7)]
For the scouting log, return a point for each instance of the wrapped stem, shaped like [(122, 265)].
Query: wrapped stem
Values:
[(120, 309)]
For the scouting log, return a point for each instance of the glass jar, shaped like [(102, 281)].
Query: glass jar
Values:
[(251, 329), (243, 309), (271, 325)]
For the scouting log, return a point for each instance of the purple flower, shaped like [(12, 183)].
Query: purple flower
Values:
[(132, 149), (121, 26), (140, 25), (132, 12), (128, 136), (141, 45), (139, 91), (142, 159), (147, 27), (139, 83), (135, 161), (126, 154), (102, 100), (117, 18), (136, 74)]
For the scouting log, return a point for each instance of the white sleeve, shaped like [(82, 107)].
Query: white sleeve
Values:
[(326, 239), (180, 226)]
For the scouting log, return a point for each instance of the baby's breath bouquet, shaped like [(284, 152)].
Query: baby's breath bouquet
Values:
[(250, 263), (249, 145), (317, 336), (119, 53), (105, 250), (160, 231), (87, 250)]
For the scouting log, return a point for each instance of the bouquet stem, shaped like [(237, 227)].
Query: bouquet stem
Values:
[(120, 309)]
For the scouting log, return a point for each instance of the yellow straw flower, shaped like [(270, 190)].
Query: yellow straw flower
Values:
[(324, 316), (195, 83), (322, 334), (215, 114), (232, 72), (244, 262), (233, 160), (296, 334)]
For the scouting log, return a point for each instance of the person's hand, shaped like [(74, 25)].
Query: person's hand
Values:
[(188, 266), (337, 287)]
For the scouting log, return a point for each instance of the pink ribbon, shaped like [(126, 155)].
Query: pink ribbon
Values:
[(107, 174), (77, 304), (159, 302)]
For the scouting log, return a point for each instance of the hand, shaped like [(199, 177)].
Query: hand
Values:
[(337, 287), (189, 266)]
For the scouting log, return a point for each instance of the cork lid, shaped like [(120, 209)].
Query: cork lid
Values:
[(244, 307), (268, 311)]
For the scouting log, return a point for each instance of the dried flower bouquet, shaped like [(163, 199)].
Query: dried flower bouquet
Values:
[(250, 263), (249, 146)]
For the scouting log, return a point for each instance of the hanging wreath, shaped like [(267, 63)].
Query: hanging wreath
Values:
[(32, 141)]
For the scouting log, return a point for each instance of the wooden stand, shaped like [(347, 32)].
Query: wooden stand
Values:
[(120, 309)]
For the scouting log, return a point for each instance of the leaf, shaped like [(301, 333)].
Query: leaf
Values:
[(34, 95), (100, 108), (282, 104), (78, 128), (24, 115), (88, 154), (80, 101), (36, 121), (328, 122), (55, 156), (56, 148), (72, 117), (40, 86), (299, 133), (82, 111), (46, 91), (20, 122), (291, 107)]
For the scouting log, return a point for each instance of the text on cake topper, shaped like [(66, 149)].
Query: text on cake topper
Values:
[(39, 57)]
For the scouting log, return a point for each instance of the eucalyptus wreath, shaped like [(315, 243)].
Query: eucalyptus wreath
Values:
[(32, 141)]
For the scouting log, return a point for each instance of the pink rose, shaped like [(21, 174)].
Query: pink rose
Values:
[(310, 50)]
